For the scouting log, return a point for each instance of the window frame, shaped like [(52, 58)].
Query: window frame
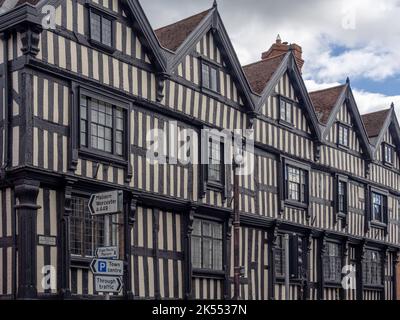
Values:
[(281, 251), (377, 265), (201, 270), (118, 224), (292, 105), (342, 180), (333, 259), (387, 146), (383, 205), (346, 128), (95, 153), (306, 169), (211, 184), (94, 9), (211, 66)]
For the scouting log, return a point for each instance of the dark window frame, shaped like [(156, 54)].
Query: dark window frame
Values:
[(215, 269), (345, 128), (280, 255), (376, 194), (386, 146), (287, 102), (80, 222), (87, 150), (332, 263), (342, 212), (214, 184), (211, 66), (306, 170), (95, 10), (372, 268)]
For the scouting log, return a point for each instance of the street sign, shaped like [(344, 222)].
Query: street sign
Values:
[(108, 284), (107, 267), (110, 202), (107, 253)]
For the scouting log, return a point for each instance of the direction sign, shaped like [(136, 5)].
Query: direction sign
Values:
[(108, 284), (107, 252), (107, 267), (106, 203)]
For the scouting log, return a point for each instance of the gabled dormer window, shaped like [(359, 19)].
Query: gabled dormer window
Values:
[(343, 135), (388, 154), (101, 29), (209, 76)]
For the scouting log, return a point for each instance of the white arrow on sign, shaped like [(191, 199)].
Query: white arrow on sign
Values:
[(107, 267), (107, 253), (106, 203), (108, 284)]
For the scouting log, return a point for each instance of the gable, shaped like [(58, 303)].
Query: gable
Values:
[(190, 68), (271, 109), (344, 116)]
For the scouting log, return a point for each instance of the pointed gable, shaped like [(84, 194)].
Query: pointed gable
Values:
[(260, 73), (325, 100), (374, 122), (336, 106), (173, 35), (203, 36)]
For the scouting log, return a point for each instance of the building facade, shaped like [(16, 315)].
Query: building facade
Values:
[(76, 103)]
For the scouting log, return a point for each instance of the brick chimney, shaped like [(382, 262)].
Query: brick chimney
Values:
[(280, 47)]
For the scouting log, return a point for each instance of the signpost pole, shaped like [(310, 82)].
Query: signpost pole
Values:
[(107, 240)]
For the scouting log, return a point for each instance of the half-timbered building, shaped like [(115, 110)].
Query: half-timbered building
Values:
[(77, 101)]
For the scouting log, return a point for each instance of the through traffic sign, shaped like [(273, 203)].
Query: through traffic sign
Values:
[(107, 267)]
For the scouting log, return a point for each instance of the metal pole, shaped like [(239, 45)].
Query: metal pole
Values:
[(287, 269), (236, 225), (107, 240)]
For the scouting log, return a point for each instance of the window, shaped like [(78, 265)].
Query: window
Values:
[(102, 126), (379, 207), (101, 28), (207, 245), (209, 77), (280, 256), (343, 135), (286, 111), (372, 268), (342, 197), (332, 263), (388, 152), (296, 184), (87, 231), (215, 163)]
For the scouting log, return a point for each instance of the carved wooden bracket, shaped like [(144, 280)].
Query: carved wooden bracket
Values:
[(30, 38)]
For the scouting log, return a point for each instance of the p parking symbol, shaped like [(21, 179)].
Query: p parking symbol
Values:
[(102, 266)]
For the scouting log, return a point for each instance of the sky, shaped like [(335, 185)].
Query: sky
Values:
[(359, 39)]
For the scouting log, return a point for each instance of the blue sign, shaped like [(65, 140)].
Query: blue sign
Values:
[(102, 266)]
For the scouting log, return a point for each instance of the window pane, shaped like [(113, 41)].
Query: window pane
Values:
[(196, 252), (107, 32), (283, 110), (217, 255), (288, 112), (214, 80), (207, 253), (197, 227), (95, 27), (205, 76)]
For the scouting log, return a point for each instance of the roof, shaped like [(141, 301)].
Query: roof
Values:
[(259, 73), (374, 122), (324, 101), (173, 35)]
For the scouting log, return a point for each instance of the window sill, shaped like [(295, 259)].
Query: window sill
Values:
[(102, 46), (215, 186), (80, 262), (343, 147), (207, 273), (332, 284), (210, 92), (374, 286), (286, 124), (292, 203), (388, 165), (378, 224), (342, 215), (99, 156)]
